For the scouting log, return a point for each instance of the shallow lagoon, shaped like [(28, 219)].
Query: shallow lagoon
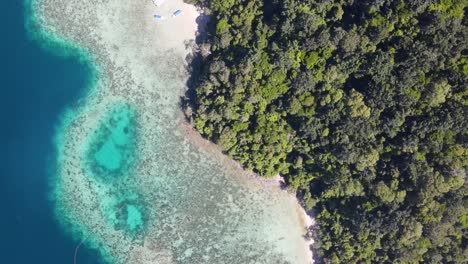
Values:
[(130, 180), (111, 149)]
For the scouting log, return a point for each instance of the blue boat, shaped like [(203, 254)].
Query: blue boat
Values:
[(177, 13), (158, 17)]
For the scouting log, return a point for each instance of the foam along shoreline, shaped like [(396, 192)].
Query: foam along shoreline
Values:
[(189, 206)]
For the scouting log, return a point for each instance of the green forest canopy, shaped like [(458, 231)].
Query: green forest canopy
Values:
[(361, 105)]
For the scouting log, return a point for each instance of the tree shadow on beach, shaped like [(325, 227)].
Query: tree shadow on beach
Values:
[(195, 64)]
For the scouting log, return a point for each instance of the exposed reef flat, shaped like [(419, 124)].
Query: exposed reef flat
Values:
[(174, 201)]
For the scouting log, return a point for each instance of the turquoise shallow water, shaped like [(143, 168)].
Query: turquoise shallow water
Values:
[(36, 87), (112, 147)]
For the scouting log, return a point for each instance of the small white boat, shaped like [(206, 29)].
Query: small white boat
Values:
[(158, 2), (177, 13), (158, 17)]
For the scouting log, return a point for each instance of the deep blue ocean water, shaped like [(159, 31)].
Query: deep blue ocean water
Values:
[(36, 87)]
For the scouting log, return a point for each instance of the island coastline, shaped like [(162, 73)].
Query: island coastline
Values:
[(77, 125)]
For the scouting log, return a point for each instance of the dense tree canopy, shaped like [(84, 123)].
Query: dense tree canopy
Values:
[(361, 105)]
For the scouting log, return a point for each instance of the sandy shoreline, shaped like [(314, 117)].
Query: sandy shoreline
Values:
[(277, 182), (198, 205)]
